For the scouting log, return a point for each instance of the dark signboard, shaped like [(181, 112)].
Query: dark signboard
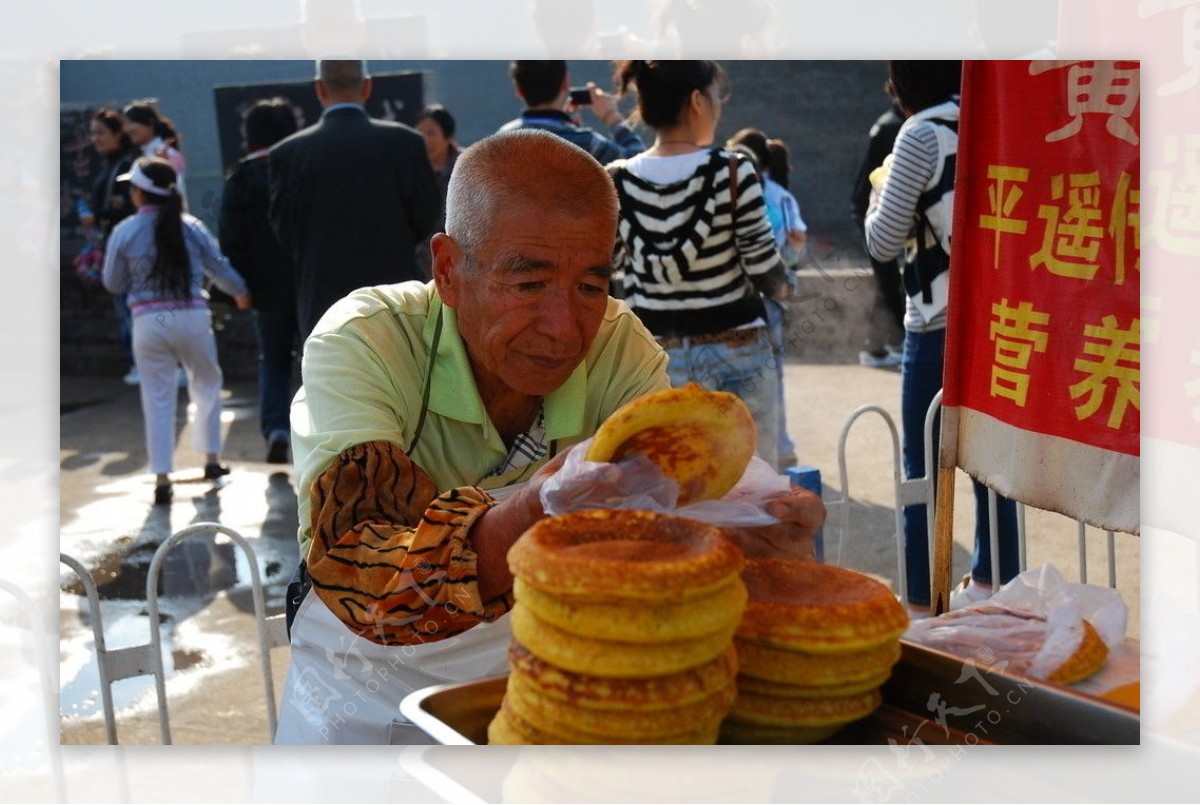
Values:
[(394, 96)]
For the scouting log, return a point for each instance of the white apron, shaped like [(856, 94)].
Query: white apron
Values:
[(343, 689)]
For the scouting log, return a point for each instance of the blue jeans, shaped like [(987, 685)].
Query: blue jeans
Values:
[(920, 381), (787, 448), (278, 332), (748, 370)]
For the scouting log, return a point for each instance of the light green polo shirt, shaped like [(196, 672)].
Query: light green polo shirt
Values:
[(364, 371)]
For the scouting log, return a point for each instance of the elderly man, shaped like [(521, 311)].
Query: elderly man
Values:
[(418, 398)]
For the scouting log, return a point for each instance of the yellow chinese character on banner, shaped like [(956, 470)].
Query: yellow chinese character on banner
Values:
[(1073, 235), (1114, 364), (1096, 88), (1126, 212), (1012, 330), (1002, 198)]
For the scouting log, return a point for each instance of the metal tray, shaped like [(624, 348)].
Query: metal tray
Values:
[(931, 698)]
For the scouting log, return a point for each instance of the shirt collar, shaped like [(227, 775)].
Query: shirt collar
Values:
[(344, 105), (552, 114), (452, 389)]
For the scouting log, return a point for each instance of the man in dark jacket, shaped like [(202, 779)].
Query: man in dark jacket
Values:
[(350, 196)]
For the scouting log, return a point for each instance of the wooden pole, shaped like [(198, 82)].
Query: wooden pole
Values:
[(943, 537)]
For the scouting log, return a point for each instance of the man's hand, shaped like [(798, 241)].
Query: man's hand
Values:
[(800, 513), (501, 526), (604, 106)]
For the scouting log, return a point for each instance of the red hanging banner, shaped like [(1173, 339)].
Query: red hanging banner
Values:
[(1043, 353)]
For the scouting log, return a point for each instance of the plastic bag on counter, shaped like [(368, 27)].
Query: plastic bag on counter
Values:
[(635, 482), (1035, 623)]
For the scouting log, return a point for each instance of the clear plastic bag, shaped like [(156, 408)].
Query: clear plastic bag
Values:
[(635, 482), (1035, 623)]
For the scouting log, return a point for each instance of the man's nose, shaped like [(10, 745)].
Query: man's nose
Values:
[(559, 317)]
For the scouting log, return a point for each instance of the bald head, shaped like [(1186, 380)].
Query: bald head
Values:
[(525, 167), (342, 80)]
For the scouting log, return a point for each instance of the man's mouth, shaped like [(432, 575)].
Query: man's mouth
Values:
[(548, 361)]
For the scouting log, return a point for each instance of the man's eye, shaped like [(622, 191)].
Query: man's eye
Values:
[(529, 287), (593, 290)]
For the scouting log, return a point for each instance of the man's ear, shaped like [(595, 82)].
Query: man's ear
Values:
[(322, 93), (367, 85), (447, 268)]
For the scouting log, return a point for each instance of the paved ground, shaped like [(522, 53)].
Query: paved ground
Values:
[(215, 689)]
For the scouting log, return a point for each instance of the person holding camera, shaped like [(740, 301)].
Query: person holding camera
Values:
[(550, 101)]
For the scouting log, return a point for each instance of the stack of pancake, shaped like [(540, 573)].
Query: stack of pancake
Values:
[(623, 628), (815, 644)]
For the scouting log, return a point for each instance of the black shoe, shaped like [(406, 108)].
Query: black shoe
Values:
[(277, 449), (163, 494), (214, 471)]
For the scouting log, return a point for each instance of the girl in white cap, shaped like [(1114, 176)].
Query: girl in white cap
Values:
[(159, 257)]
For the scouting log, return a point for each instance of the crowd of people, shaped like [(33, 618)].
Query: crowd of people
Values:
[(467, 314)]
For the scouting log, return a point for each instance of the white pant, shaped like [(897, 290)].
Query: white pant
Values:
[(162, 341), (344, 689)]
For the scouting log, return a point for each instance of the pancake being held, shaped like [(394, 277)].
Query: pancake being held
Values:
[(701, 439)]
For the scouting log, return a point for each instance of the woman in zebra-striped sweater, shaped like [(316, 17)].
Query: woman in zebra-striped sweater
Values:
[(911, 214), (694, 241)]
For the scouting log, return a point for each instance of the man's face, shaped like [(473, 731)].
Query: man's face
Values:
[(533, 301)]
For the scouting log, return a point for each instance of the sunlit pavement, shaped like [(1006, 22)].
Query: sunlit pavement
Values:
[(109, 523)]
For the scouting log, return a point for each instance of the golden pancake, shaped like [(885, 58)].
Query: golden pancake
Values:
[(800, 668), (603, 555), (610, 658), (617, 725), (735, 732), (639, 622), (601, 693), (773, 711), (1085, 661), (1019, 635), (511, 726), (817, 608), (702, 439), (502, 731), (784, 690)]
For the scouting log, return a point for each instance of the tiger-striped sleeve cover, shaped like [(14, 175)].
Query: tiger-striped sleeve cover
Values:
[(392, 558)]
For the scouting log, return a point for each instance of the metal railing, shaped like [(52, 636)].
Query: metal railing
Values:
[(917, 491), (146, 659)]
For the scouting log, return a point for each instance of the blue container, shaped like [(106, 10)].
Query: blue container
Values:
[(810, 478)]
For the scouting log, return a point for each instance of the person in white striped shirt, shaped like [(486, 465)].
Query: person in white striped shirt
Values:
[(911, 212), (694, 242)]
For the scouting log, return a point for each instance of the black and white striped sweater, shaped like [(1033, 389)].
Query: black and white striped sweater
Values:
[(688, 269)]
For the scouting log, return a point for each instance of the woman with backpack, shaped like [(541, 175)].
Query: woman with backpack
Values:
[(910, 216)]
